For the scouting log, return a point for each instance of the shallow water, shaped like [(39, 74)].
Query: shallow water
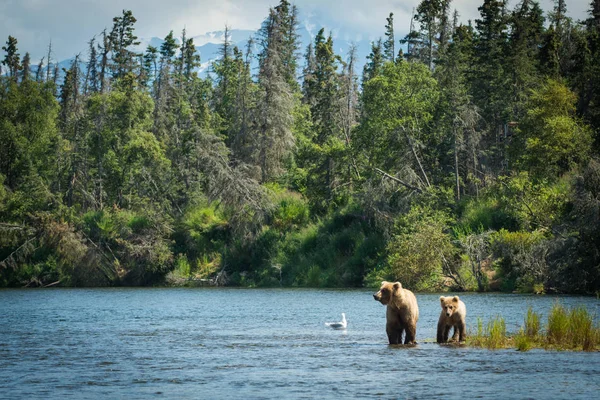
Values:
[(254, 343)]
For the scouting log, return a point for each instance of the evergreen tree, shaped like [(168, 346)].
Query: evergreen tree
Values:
[(105, 49), (526, 30), (375, 62), (91, 77), (276, 100), (389, 45), (150, 64), (226, 72), (122, 37), (491, 78), (429, 14), (457, 117), (288, 21), (26, 68), (12, 59), (308, 77), (39, 72), (49, 58), (241, 143)]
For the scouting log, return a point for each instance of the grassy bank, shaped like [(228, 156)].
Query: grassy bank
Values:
[(565, 329)]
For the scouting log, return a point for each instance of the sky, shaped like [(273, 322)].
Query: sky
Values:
[(70, 24)]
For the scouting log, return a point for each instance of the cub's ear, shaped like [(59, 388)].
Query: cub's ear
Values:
[(397, 285), (442, 298), (384, 283), (455, 299)]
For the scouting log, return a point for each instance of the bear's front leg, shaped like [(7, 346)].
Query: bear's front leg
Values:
[(440, 331), (446, 332), (462, 329)]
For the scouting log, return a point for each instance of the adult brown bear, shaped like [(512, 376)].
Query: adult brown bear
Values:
[(402, 312)]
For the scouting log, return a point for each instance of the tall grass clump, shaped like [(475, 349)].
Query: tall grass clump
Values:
[(528, 335), (477, 339), (522, 341), (496, 333), (532, 324), (581, 329), (572, 329), (491, 336), (558, 325)]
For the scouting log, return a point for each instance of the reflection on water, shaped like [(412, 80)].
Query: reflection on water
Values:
[(239, 343)]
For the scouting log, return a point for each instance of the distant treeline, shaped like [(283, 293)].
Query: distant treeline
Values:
[(463, 156)]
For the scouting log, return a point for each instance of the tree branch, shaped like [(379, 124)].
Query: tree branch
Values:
[(408, 185)]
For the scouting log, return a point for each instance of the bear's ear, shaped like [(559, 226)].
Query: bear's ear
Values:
[(442, 298), (455, 299), (384, 283), (397, 285)]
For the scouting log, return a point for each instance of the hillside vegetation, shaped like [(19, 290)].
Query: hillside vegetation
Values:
[(463, 157)]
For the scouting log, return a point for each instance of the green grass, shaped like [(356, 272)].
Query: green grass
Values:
[(491, 336), (532, 324), (566, 329)]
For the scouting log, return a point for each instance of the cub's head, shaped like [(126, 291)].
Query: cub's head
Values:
[(387, 291), (449, 304)]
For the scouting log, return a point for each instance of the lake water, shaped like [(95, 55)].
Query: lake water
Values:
[(254, 343)]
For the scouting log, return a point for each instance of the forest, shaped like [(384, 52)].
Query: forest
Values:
[(464, 156)]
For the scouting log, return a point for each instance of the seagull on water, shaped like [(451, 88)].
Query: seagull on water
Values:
[(338, 325)]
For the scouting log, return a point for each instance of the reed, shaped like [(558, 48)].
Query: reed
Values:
[(532, 324), (523, 342), (572, 329), (496, 332), (491, 336), (558, 325)]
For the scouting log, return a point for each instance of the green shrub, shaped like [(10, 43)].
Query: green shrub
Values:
[(314, 276), (486, 213), (521, 258), (417, 253), (291, 211)]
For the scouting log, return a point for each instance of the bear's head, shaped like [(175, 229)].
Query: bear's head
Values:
[(387, 291), (449, 304)]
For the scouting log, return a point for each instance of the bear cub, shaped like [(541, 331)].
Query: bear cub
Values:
[(454, 313), (402, 312)]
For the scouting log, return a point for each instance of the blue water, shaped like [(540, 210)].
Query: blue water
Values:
[(253, 343)]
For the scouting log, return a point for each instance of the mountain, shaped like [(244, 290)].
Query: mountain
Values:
[(208, 44)]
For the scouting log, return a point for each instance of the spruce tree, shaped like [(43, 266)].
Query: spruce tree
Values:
[(12, 59), (389, 45), (122, 37), (26, 68), (276, 101), (374, 65), (526, 30), (491, 76), (39, 72), (91, 76), (308, 77)]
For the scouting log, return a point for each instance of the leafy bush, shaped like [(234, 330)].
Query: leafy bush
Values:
[(417, 252), (521, 258), (485, 214)]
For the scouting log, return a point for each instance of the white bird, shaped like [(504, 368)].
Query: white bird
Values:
[(338, 325)]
